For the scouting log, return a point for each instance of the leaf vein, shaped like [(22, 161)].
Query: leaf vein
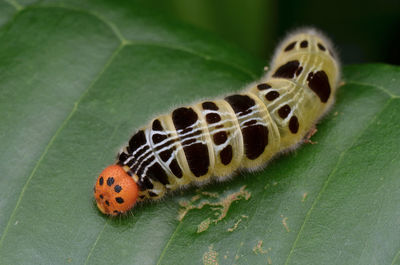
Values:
[(308, 214), (74, 108)]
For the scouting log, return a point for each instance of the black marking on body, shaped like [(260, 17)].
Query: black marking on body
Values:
[(137, 140), (157, 125), (290, 46), (208, 105), (220, 138), (175, 168), (196, 153), (212, 118), (249, 123), (197, 158), (137, 155), (319, 83), (255, 140), (158, 138), (122, 157), (117, 188), (304, 44), (272, 95), (156, 172), (110, 181), (284, 111), (145, 184), (226, 155), (119, 200), (263, 86), (183, 118), (294, 124), (299, 70), (241, 104), (321, 47), (152, 194), (165, 155), (287, 70)]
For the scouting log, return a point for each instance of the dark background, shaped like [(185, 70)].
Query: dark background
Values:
[(363, 31)]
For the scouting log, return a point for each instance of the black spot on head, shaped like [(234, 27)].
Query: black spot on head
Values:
[(263, 86), (290, 46), (101, 196), (115, 211), (226, 155), (304, 44), (212, 118), (119, 200), (220, 138), (321, 47), (110, 181), (183, 117), (108, 203), (272, 95), (117, 188), (294, 124), (137, 140), (240, 104), (287, 70), (101, 181), (209, 105), (319, 83), (284, 111), (157, 125)]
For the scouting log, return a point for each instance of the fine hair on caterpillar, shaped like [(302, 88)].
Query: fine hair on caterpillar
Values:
[(214, 138)]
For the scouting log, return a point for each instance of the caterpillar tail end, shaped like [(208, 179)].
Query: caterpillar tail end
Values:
[(115, 191)]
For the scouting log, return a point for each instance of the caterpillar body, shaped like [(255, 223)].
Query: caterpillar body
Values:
[(214, 138)]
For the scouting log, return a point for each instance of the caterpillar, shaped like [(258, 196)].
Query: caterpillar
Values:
[(215, 138)]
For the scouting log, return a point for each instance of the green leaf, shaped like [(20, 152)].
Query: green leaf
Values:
[(76, 79)]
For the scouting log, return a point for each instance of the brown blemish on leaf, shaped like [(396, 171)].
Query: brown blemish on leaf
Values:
[(304, 196), (210, 194), (284, 222), (235, 226), (269, 260), (220, 207), (203, 226), (258, 248), (210, 257)]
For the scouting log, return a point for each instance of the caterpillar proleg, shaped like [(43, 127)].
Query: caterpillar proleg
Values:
[(215, 138)]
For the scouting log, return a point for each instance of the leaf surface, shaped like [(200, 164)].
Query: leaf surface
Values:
[(76, 80)]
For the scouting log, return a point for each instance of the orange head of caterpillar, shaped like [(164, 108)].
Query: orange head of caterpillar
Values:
[(115, 191)]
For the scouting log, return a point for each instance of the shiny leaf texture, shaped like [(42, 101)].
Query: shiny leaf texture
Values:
[(77, 78)]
